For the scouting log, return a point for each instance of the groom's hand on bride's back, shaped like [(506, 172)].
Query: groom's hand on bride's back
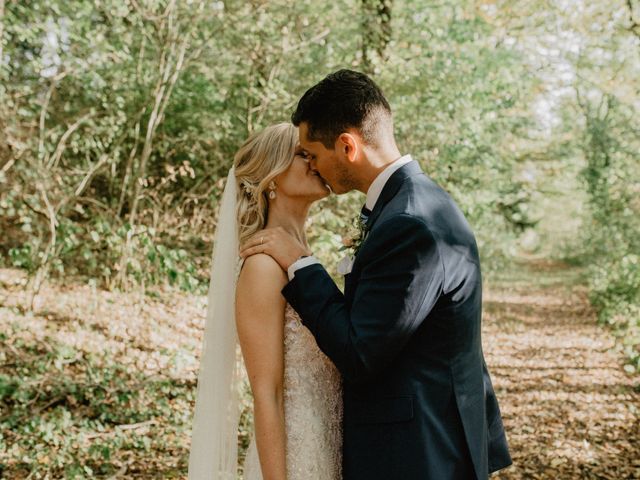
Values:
[(277, 243)]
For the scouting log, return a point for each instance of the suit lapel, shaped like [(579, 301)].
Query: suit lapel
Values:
[(390, 189)]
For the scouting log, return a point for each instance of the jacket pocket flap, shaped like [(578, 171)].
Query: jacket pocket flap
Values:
[(382, 410)]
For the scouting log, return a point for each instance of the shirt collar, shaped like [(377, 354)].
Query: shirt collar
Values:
[(378, 184)]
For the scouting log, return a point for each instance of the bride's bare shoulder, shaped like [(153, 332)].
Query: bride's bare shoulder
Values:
[(264, 270), (258, 290)]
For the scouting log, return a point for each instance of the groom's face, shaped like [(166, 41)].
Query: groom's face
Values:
[(326, 162)]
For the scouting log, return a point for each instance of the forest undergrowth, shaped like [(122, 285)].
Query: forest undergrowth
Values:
[(97, 384)]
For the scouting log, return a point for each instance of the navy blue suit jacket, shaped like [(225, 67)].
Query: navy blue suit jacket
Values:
[(405, 335)]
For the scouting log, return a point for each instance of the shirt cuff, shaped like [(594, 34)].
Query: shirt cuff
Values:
[(301, 263)]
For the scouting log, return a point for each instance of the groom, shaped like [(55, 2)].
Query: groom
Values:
[(405, 335)]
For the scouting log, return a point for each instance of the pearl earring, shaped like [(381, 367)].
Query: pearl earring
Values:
[(272, 190)]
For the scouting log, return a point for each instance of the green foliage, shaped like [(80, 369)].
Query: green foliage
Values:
[(616, 294), (122, 126), (612, 178), (77, 412)]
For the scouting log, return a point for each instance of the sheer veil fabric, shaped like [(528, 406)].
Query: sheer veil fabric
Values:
[(214, 439)]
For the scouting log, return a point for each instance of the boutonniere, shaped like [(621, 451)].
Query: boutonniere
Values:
[(353, 242)]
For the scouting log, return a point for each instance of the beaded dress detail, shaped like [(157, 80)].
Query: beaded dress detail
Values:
[(312, 409)]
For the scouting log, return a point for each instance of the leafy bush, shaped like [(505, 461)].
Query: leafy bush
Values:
[(76, 413), (612, 177)]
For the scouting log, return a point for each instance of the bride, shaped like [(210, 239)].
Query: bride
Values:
[(296, 389)]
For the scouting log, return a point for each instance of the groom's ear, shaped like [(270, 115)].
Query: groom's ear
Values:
[(348, 146)]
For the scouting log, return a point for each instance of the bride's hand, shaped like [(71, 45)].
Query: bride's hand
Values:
[(278, 244)]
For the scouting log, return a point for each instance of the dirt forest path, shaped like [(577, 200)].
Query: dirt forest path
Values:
[(570, 410)]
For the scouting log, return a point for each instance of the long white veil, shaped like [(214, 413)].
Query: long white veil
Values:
[(214, 440)]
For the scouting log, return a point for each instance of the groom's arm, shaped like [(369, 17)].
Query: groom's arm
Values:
[(399, 284)]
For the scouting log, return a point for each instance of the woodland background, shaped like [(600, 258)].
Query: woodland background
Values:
[(119, 121)]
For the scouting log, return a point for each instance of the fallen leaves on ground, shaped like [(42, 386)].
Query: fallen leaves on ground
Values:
[(570, 410)]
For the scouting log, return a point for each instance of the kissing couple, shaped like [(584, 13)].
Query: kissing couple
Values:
[(386, 380)]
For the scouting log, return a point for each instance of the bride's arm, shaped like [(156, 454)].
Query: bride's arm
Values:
[(260, 319)]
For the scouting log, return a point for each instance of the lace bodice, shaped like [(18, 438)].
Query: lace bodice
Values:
[(313, 409)]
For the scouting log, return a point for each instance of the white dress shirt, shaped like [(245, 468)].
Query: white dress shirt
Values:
[(375, 189), (381, 180)]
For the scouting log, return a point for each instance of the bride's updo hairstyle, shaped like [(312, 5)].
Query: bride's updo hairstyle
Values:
[(262, 157)]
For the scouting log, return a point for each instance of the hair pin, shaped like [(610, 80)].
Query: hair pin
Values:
[(247, 187)]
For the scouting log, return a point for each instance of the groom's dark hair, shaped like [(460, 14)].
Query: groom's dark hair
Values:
[(343, 99)]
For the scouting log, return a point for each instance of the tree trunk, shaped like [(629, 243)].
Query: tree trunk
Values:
[(635, 24), (1, 28), (172, 61), (376, 31)]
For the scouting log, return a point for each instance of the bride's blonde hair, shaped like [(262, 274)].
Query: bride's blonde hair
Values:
[(261, 158)]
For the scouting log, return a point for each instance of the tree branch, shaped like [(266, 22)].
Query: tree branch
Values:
[(57, 154), (1, 27), (635, 25)]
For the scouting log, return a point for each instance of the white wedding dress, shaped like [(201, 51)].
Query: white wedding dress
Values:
[(313, 409)]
